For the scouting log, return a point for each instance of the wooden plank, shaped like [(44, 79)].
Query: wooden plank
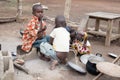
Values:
[(114, 37), (103, 34), (97, 33), (93, 17), (67, 9), (20, 67), (75, 27), (83, 23), (104, 15), (119, 28), (19, 8), (97, 24), (109, 31), (7, 19)]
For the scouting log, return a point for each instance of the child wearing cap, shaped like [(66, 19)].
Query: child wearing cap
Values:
[(35, 33)]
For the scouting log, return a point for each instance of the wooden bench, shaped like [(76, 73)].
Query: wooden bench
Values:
[(110, 18)]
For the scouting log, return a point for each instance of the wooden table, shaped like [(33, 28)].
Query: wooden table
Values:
[(110, 18)]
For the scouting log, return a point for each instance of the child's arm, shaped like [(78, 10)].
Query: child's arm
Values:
[(51, 40), (42, 30), (85, 38), (40, 33), (85, 42)]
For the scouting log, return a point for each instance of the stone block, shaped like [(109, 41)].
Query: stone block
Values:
[(1, 65), (8, 68)]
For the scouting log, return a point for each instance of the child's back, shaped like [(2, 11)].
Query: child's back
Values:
[(60, 39)]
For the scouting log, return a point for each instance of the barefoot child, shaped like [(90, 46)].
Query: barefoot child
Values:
[(35, 32), (60, 39)]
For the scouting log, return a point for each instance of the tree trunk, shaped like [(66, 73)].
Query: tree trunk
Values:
[(19, 9), (67, 9)]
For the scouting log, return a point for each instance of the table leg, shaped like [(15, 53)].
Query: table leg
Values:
[(119, 28), (108, 33), (97, 24)]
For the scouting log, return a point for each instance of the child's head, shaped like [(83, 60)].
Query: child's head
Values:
[(73, 33), (37, 10), (81, 36), (60, 21)]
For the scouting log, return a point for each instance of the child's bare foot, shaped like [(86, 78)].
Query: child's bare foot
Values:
[(53, 65)]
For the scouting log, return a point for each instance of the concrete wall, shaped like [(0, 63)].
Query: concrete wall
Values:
[(1, 65), (7, 66)]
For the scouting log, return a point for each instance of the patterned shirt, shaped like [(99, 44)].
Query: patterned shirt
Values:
[(78, 46), (79, 43), (30, 34)]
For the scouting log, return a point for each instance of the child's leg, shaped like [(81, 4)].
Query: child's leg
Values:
[(55, 60), (39, 41), (43, 57), (53, 64), (20, 51)]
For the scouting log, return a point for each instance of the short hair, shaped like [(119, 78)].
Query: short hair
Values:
[(60, 21), (34, 7)]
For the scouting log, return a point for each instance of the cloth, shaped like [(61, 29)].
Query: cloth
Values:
[(30, 34), (61, 40), (39, 41), (47, 50), (80, 48), (68, 28)]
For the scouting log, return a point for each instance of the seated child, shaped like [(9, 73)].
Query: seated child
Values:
[(80, 43), (35, 32)]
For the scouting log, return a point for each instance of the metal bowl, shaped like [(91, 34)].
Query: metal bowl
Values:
[(77, 68), (84, 58)]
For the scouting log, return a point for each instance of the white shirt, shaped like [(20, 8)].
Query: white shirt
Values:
[(61, 40), (87, 43)]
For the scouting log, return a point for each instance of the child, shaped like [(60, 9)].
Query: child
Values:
[(81, 44), (35, 31), (60, 39)]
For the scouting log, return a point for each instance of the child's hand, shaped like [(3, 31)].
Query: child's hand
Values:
[(40, 35)]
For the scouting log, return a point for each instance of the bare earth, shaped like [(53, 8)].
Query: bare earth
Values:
[(10, 37)]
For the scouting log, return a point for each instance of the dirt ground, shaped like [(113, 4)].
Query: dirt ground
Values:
[(10, 37)]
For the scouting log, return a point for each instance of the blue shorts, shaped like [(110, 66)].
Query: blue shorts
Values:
[(44, 39)]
